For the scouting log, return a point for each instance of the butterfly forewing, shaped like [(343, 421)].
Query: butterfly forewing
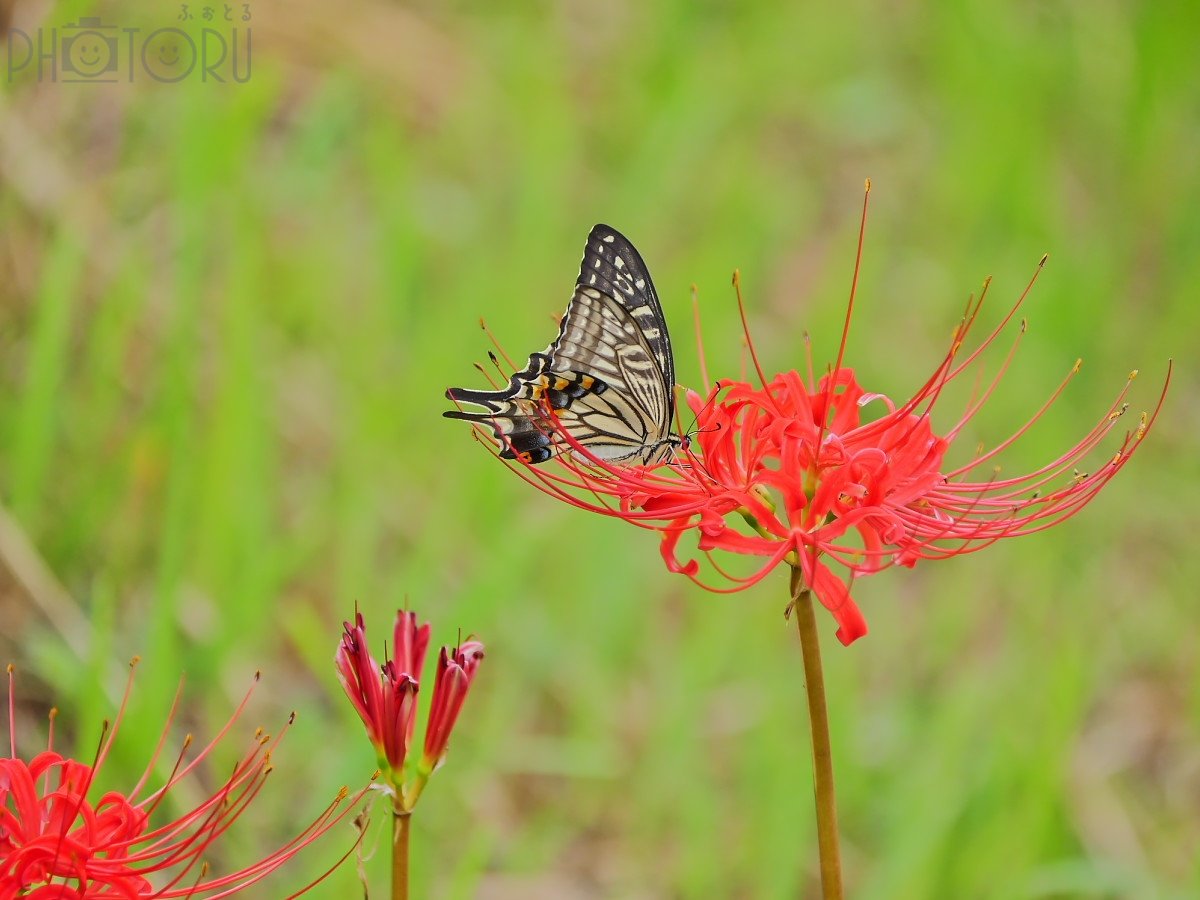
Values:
[(612, 266), (607, 379), (601, 337)]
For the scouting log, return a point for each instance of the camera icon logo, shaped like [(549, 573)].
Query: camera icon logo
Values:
[(89, 50)]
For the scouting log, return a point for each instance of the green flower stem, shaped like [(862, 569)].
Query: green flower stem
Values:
[(401, 819), (413, 791), (818, 716)]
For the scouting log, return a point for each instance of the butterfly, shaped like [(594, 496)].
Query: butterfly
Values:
[(607, 380)]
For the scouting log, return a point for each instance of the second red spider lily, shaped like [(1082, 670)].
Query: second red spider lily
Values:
[(812, 471), (59, 841), (385, 697)]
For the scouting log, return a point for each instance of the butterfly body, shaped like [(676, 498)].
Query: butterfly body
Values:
[(605, 386)]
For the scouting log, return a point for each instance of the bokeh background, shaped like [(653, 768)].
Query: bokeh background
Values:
[(229, 310)]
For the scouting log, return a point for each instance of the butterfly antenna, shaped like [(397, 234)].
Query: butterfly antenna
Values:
[(710, 429), (698, 461), (696, 416)]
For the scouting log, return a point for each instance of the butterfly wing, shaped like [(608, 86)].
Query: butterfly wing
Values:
[(608, 377), (613, 267)]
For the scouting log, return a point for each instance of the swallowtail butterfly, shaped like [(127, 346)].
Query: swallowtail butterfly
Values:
[(607, 380)]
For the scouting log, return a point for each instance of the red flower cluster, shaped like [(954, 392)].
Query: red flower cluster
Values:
[(794, 470), (386, 697), (58, 843), (58, 834)]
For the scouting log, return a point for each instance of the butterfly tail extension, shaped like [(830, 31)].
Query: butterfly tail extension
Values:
[(520, 434)]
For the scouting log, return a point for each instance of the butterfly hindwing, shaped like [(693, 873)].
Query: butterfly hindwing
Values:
[(607, 378)]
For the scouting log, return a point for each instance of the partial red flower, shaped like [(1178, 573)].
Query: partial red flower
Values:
[(57, 840), (815, 471), (455, 672), (386, 697)]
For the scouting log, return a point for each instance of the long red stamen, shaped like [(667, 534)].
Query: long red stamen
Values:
[(737, 288), (12, 712), (699, 338), (495, 343)]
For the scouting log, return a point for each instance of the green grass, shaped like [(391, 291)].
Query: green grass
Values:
[(229, 313)]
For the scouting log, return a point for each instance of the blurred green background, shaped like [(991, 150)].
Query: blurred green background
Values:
[(229, 311)]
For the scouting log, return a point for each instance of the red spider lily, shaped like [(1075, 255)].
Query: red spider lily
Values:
[(56, 841), (386, 697), (789, 470), (455, 672), (387, 705)]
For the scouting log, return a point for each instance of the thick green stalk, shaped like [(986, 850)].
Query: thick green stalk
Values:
[(822, 756)]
